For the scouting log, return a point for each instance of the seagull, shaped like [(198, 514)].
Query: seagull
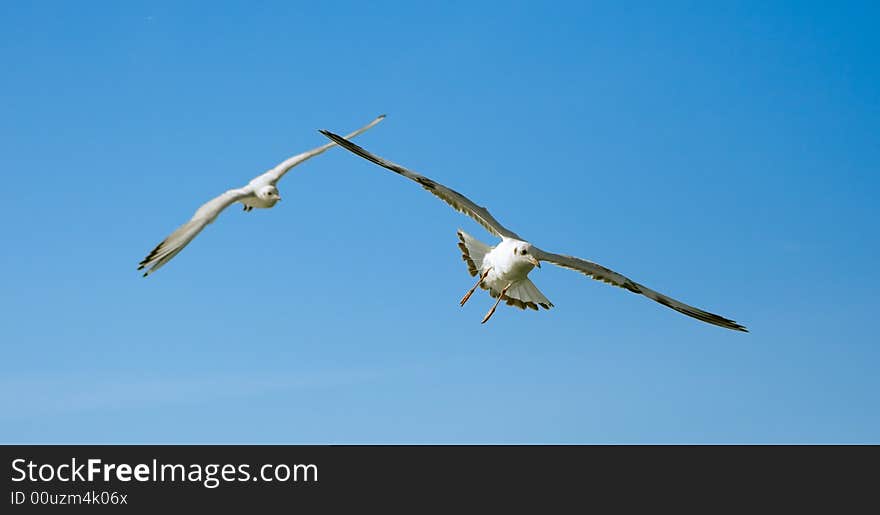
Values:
[(503, 269), (261, 192)]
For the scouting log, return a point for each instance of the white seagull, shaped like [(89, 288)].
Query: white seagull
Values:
[(261, 192), (504, 268)]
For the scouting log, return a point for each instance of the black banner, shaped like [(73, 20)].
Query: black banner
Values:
[(417, 478)]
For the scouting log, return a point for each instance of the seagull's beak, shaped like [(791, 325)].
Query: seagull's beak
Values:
[(533, 260)]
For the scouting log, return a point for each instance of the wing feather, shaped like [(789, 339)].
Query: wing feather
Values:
[(455, 199), (275, 174), (600, 273), (180, 238)]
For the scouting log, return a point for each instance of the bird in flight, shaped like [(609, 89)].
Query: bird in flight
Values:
[(260, 192), (503, 269)]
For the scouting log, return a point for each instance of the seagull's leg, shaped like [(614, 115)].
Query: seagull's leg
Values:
[(492, 311), (472, 290)]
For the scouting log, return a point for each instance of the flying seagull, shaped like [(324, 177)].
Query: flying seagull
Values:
[(504, 268), (261, 192)]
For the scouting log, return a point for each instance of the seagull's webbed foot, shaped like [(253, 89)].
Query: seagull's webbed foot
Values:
[(492, 311), (472, 290)]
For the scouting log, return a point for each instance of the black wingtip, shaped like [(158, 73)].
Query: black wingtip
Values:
[(730, 324), (332, 136), (382, 116)]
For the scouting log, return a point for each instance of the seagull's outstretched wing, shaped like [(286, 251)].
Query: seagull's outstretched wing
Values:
[(184, 234), (601, 273), (275, 174), (455, 199)]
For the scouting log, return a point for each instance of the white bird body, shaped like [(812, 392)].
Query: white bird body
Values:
[(261, 192), (261, 196), (504, 268), (256, 202)]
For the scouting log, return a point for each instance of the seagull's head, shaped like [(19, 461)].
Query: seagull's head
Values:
[(269, 194), (524, 253)]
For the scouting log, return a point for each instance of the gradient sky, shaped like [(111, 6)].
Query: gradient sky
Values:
[(726, 155)]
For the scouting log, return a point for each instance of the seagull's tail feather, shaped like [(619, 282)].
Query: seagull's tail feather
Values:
[(472, 251), (524, 294)]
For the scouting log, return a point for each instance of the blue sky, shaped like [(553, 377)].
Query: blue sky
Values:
[(725, 155)]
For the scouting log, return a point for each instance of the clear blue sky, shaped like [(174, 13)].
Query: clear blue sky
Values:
[(725, 155)]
